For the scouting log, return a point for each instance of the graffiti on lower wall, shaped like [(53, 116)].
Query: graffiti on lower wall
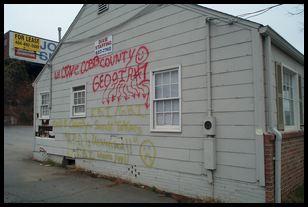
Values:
[(114, 149), (112, 125), (120, 110)]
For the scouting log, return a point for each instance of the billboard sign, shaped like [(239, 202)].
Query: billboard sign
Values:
[(30, 48), (26, 42)]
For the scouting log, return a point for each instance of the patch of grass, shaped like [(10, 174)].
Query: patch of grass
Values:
[(297, 196), (154, 189)]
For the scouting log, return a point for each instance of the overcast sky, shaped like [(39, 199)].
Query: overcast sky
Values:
[(42, 20)]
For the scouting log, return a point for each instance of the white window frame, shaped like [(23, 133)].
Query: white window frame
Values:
[(168, 128), (79, 115), (295, 99), (48, 105)]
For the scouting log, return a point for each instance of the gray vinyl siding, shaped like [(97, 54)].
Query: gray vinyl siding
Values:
[(173, 36)]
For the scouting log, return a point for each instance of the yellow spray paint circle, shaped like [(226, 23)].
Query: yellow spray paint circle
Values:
[(147, 152)]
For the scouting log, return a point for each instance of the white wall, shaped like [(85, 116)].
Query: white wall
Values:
[(112, 137)]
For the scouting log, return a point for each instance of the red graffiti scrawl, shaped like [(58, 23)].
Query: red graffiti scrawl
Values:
[(130, 82)]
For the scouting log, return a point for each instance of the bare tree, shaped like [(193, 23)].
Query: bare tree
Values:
[(299, 10)]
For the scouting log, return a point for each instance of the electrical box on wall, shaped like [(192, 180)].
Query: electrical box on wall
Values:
[(209, 125), (209, 155)]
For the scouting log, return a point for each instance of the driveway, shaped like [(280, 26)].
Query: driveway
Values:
[(28, 181)]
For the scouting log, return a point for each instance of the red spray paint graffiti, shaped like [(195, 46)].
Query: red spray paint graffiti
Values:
[(121, 85), (125, 57), (129, 82)]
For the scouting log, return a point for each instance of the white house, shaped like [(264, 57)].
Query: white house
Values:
[(173, 96)]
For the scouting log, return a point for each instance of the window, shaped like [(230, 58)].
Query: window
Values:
[(102, 8), (289, 98), (301, 101), (44, 105), (165, 100), (78, 106)]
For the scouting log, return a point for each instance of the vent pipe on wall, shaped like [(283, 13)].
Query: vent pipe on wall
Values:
[(59, 32)]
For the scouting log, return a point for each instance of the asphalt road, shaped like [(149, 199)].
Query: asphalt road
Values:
[(29, 181)]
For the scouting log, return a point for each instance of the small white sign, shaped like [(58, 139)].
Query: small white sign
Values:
[(103, 46)]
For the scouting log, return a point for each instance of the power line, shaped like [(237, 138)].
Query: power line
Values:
[(257, 13)]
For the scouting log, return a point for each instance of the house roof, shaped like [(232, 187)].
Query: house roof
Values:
[(277, 40)]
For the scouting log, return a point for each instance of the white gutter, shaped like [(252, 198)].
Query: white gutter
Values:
[(282, 44), (278, 141), (209, 144), (34, 114), (270, 105), (208, 75), (50, 89)]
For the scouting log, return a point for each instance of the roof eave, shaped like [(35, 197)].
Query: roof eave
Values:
[(282, 44)]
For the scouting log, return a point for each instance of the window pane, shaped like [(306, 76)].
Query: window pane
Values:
[(43, 99), (158, 92), (166, 78), (159, 106), (285, 81), (174, 90), (83, 100), (168, 120), (158, 79), (167, 106), (166, 91), (82, 109), (175, 105), (175, 119), (291, 92), (75, 95), (160, 119), (76, 109), (174, 76), (288, 112), (45, 110), (285, 92), (78, 88)]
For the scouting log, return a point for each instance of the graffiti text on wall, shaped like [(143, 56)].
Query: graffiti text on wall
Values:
[(117, 150), (124, 57), (111, 125), (126, 83), (130, 82)]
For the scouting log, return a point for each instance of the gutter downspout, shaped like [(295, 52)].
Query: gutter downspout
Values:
[(209, 172), (278, 141), (270, 104), (34, 115), (50, 89), (208, 75)]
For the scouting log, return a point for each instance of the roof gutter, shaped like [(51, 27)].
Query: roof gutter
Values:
[(267, 42), (280, 42)]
